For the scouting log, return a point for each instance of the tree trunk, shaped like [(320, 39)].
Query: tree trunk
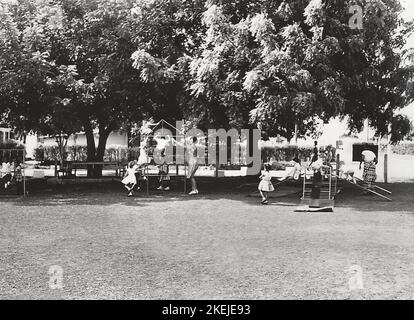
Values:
[(90, 147), (62, 142), (95, 153), (100, 151)]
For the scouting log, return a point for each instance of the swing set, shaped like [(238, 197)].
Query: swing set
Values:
[(11, 157), (160, 129)]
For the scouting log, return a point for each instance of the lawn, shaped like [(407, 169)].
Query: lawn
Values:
[(219, 245)]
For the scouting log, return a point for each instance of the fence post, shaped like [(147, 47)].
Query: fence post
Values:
[(338, 161)]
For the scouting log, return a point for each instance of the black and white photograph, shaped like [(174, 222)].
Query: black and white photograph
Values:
[(206, 150)]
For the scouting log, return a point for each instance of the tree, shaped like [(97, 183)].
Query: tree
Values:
[(168, 33), (292, 63), (71, 58), (99, 65)]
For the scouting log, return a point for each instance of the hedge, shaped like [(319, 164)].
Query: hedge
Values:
[(405, 148), (48, 155), (286, 154), (11, 155)]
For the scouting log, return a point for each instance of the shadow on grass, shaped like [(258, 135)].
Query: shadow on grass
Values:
[(240, 190)]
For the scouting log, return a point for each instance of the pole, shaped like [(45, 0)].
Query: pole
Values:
[(24, 173), (296, 133)]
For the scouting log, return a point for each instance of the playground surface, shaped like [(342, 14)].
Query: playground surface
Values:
[(218, 245)]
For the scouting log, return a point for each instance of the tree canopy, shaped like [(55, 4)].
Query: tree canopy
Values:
[(100, 65)]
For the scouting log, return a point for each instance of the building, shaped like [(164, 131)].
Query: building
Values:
[(5, 135)]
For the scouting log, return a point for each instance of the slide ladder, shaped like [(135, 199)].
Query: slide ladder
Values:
[(328, 189)]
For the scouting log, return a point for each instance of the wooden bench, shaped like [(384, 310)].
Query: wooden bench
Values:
[(70, 167)]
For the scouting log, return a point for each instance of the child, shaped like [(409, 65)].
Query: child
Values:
[(138, 174), (347, 172), (130, 180), (314, 154), (143, 158), (328, 156), (317, 182), (18, 178), (164, 177), (266, 185), (296, 170), (163, 169), (6, 174)]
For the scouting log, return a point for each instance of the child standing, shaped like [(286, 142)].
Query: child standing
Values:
[(130, 180), (6, 173), (164, 177), (18, 178), (265, 185)]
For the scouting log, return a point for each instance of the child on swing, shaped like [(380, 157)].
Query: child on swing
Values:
[(265, 185), (163, 171), (163, 168), (130, 179)]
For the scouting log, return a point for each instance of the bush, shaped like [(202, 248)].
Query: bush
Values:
[(48, 155), (405, 148), (286, 154), (11, 151), (11, 145)]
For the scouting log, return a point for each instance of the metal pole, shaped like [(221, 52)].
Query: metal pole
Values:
[(304, 185), (185, 168), (24, 173), (330, 183)]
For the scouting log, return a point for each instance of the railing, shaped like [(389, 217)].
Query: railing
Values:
[(331, 183)]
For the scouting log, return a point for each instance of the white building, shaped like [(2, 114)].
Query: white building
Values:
[(5, 135)]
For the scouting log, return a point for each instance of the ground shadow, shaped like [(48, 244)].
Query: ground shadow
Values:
[(242, 190)]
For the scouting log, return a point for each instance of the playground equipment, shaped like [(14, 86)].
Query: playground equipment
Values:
[(163, 128), (378, 194), (13, 155), (328, 189)]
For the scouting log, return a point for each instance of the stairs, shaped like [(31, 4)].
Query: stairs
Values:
[(328, 189)]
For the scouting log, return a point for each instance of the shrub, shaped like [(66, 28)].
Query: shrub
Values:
[(11, 145), (286, 154), (11, 151), (50, 154), (405, 148)]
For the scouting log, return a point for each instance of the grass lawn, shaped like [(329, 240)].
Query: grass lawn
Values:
[(219, 245)]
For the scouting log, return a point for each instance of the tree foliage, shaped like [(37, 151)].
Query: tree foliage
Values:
[(99, 65)]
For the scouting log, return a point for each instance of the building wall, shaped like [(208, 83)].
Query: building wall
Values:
[(4, 135)]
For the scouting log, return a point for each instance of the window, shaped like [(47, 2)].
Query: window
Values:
[(1, 137), (7, 136)]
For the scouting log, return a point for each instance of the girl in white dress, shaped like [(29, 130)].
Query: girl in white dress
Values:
[(192, 165), (143, 158), (265, 185), (130, 179)]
